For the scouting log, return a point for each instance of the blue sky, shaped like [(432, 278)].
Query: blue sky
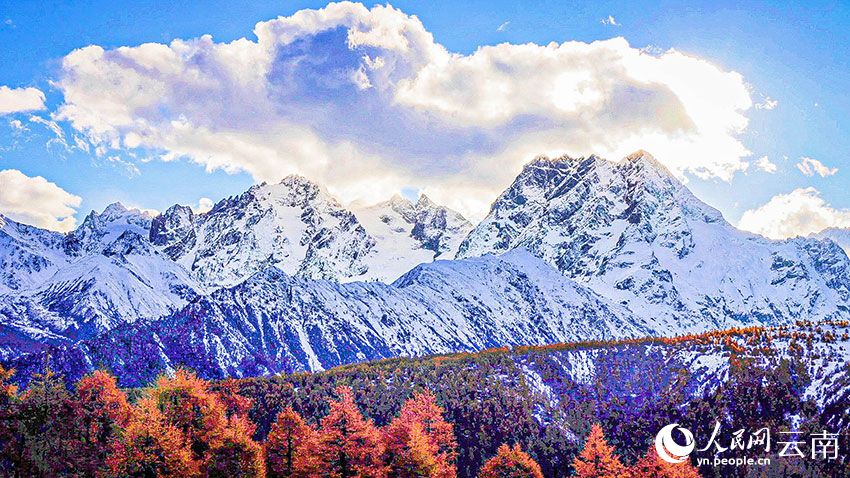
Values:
[(793, 54)]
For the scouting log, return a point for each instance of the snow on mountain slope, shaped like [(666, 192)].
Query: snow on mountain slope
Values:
[(99, 230), (28, 255), (294, 225), (127, 281), (298, 227), (838, 235), (102, 274), (408, 234), (634, 234), (274, 322)]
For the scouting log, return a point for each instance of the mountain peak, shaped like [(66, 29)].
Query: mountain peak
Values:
[(113, 210), (647, 162), (425, 202), (639, 154)]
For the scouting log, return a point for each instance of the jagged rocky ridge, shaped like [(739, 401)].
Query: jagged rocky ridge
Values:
[(634, 234), (121, 265), (281, 278)]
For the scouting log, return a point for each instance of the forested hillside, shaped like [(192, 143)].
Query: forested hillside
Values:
[(544, 399)]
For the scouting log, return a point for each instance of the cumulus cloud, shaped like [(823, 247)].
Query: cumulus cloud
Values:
[(810, 167), (764, 164), (204, 205), (36, 201), (610, 21), (16, 100), (798, 213), (338, 93)]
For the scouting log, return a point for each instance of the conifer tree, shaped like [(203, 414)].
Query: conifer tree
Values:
[(285, 445), (234, 454), (10, 446), (420, 442), (150, 447), (347, 445), (598, 460), (510, 462), (186, 402), (49, 444)]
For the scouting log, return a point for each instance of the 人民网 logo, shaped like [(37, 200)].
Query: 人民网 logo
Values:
[(667, 448)]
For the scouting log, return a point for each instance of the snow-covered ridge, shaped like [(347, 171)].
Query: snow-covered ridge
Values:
[(122, 265), (634, 234), (284, 277)]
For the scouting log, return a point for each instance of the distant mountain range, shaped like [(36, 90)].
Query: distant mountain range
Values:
[(284, 278)]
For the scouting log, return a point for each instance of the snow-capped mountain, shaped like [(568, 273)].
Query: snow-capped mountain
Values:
[(295, 226), (633, 233), (273, 322), (838, 235), (28, 255), (282, 277), (408, 234), (122, 265), (103, 274), (99, 231)]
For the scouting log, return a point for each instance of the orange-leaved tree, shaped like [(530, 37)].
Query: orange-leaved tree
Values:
[(285, 446), (347, 445), (598, 460), (651, 466), (510, 462), (234, 454), (420, 443), (186, 402), (151, 447), (100, 411)]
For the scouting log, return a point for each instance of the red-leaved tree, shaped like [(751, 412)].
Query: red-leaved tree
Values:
[(510, 462), (420, 443), (347, 444)]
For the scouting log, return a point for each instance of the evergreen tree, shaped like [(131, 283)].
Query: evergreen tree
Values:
[(10, 446), (510, 462), (49, 443), (598, 460)]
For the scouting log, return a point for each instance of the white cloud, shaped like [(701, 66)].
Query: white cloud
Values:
[(53, 127), (764, 164), (767, 104), (16, 100), (204, 205), (503, 26), (810, 167), (130, 169), (798, 213), (37, 201), (17, 126), (337, 93), (610, 21)]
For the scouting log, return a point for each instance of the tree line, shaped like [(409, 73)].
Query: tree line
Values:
[(184, 427)]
